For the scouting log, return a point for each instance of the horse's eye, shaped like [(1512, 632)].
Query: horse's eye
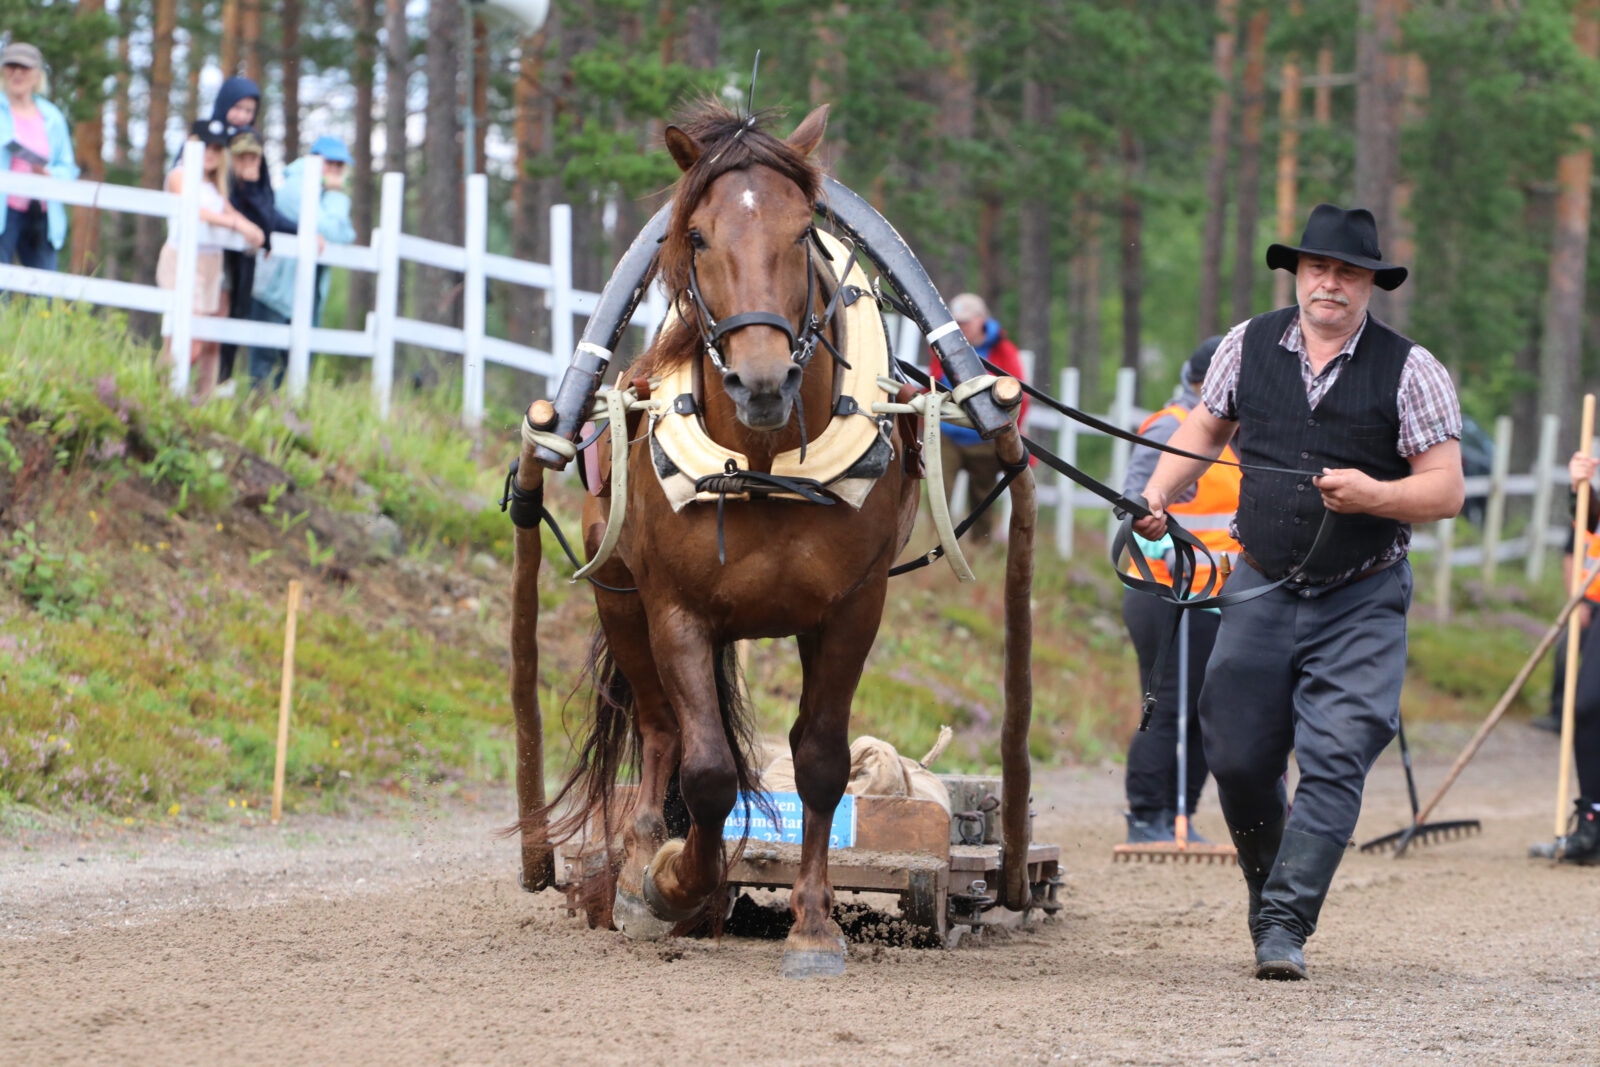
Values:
[(805, 235), (696, 239)]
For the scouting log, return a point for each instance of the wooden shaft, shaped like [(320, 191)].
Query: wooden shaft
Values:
[(1016, 783), (1569, 689), (280, 765), (1549, 639), (538, 856)]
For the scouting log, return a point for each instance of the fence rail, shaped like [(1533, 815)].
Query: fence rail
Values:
[(390, 248)]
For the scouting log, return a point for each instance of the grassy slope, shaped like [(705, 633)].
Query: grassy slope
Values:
[(145, 545)]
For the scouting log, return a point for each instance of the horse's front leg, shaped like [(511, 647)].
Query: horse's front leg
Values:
[(832, 658), (683, 874)]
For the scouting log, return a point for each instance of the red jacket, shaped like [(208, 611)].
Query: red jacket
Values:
[(1003, 354)]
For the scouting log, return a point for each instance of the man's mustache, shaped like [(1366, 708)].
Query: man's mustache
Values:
[(1337, 298)]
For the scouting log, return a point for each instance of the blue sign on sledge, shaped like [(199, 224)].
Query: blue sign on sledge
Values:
[(791, 811)]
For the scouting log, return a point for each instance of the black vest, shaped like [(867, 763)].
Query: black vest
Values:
[(1356, 424)]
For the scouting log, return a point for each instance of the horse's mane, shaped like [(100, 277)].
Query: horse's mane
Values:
[(729, 141)]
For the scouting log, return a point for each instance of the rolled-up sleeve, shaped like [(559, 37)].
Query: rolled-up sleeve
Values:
[(1220, 390), (1429, 410)]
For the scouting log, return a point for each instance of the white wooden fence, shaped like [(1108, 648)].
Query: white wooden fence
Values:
[(385, 326)]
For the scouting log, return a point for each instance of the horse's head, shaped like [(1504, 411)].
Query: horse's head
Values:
[(740, 239)]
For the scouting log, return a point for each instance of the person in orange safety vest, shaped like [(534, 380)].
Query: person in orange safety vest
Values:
[(1206, 511)]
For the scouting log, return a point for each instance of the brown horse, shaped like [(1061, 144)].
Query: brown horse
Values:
[(668, 692)]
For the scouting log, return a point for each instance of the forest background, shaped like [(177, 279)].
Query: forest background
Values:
[(1106, 172)]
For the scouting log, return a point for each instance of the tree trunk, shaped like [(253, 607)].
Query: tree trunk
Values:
[(253, 55), (702, 45), (1402, 245), (827, 74), (362, 191), (1217, 169), (230, 37), (954, 96), (1037, 286), (88, 139), (528, 209), (1084, 300), (151, 230), (1288, 167), (1322, 96), (1132, 248), (396, 79), (1562, 344), (480, 92), (441, 178), (122, 226), (194, 61), (289, 15), (1249, 180), (1376, 141)]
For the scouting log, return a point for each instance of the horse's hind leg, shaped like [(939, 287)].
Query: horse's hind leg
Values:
[(832, 658)]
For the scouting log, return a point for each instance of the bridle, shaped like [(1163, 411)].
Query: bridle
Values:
[(803, 342)]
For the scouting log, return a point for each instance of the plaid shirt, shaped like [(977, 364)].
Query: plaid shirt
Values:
[(1429, 410)]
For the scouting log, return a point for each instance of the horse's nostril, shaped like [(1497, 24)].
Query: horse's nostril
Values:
[(731, 381), (791, 380)]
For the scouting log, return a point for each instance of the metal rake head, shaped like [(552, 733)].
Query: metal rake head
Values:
[(1427, 833), (1171, 852)]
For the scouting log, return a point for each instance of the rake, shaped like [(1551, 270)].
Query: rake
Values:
[(1426, 833), (1180, 849)]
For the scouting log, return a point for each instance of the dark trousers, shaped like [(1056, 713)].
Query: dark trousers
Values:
[(983, 470), (1586, 714), (1152, 778), (1319, 675), (267, 364), (239, 276), (26, 237)]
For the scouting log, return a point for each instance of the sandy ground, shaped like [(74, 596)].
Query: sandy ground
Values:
[(406, 939)]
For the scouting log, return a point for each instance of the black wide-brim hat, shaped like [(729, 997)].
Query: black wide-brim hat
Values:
[(1348, 236)]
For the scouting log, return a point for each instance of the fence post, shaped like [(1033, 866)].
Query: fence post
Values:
[(1494, 519), (561, 343), (1446, 538), (386, 301), (1539, 521), (188, 234), (305, 278), (472, 303), (1121, 415), (1067, 449)]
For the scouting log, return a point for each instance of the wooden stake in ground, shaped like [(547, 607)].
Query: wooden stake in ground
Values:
[(283, 701), (1569, 690)]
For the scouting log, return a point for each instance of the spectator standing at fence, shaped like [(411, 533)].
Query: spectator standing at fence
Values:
[(961, 449), (1206, 510), (250, 191), (1340, 420), (217, 219), (274, 288), (34, 139)]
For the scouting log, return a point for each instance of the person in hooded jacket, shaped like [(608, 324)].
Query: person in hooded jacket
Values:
[(250, 191)]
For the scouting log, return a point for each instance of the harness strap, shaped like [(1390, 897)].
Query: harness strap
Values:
[(527, 511), (617, 408), (755, 483)]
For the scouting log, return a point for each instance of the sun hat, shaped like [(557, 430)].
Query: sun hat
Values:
[(21, 54), (210, 131), (331, 148)]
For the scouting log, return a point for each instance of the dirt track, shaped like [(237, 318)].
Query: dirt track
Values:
[(331, 941)]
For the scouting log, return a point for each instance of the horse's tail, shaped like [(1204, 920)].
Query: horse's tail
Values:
[(608, 749)]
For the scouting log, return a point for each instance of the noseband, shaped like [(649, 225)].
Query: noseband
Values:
[(802, 343)]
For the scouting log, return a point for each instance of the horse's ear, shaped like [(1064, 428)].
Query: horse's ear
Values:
[(808, 134), (686, 151)]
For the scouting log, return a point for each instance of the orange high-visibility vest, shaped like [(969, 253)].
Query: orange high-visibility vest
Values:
[(1593, 553), (1210, 513)]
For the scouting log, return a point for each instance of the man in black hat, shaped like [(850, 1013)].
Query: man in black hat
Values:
[(1365, 427)]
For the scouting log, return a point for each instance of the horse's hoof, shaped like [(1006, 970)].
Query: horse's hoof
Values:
[(631, 916), (813, 962)]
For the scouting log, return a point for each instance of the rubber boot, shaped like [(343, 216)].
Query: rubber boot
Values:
[(1582, 845), (1291, 901), (1145, 828), (1258, 848)]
